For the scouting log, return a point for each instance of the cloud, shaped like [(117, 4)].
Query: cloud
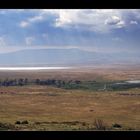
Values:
[(36, 18), (81, 27), (31, 20), (121, 24), (2, 41), (115, 21), (24, 24), (72, 18), (29, 40), (95, 20), (133, 22), (117, 39)]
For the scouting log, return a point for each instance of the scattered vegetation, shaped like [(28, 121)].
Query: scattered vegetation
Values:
[(17, 122), (7, 126), (116, 125), (22, 122), (64, 125), (70, 84), (99, 124)]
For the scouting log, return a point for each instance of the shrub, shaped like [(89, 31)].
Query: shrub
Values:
[(7, 126), (24, 122), (99, 124), (84, 124), (117, 125), (17, 122)]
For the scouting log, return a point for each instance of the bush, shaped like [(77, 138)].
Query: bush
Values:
[(24, 122), (17, 122), (99, 124), (7, 126), (117, 125)]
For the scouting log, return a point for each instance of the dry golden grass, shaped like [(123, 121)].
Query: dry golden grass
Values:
[(48, 104)]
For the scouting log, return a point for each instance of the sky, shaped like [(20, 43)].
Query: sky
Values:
[(101, 30)]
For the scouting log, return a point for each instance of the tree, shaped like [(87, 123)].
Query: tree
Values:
[(37, 81), (20, 82), (25, 81)]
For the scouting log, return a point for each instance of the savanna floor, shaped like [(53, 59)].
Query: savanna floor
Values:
[(49, 108)]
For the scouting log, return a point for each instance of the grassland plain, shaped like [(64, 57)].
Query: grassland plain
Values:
[(36, 107)]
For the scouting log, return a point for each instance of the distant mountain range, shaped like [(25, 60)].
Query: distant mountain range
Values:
[(67, 57)]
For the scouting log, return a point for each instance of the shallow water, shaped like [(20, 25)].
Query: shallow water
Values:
[(129, 82), (133, 81)]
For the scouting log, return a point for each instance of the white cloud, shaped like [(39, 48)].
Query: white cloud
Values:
[(115, 22), (2, 41), (112, 20), (29, 40), (121, 24), (133, 22), (36, 18), (99, 20), (94, 20), (24, 24), (31, 20)]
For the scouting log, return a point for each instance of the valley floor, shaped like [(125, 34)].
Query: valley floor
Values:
[(49, 108), (36, 107)]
